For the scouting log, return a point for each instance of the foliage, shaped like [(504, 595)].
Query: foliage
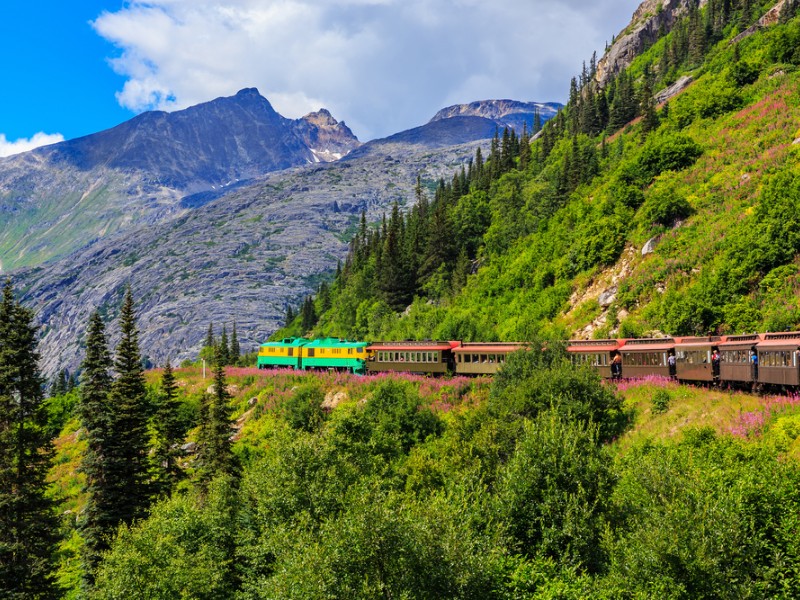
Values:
[(661, 400), (554, 492), (543, 379), (303, 409), (27, 518)]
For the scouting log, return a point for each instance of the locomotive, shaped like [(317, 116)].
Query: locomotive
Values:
[(758, 359)]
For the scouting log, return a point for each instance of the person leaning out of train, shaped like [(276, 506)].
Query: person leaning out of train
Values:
[(616, 366), (754, 362), (715, 360)]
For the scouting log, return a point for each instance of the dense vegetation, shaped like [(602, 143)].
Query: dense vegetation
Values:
[(540, 484), (522, 243)]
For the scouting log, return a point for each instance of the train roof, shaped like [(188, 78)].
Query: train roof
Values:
[(787, 340), (647, 345), (330, 342), (699, 342), (593, 345), (287, 342), (412, 346), (489, 347)]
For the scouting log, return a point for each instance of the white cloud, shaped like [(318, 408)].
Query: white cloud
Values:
[(8, 148), (381, 65)]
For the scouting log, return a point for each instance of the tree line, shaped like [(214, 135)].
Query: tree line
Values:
[(134, 445)]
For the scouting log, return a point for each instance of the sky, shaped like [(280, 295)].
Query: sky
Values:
[(72, 68)]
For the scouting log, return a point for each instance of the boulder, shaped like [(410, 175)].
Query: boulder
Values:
[(650, 245)]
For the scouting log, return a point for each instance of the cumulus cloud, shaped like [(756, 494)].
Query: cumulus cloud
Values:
[(381, 65), (8, 148)]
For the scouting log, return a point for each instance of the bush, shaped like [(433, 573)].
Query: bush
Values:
[(660, 400), (664, 207), (536, 381), (744, 73), (554, 492), (303, 410), (670, 152)]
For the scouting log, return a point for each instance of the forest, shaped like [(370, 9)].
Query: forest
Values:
[(514, 243)]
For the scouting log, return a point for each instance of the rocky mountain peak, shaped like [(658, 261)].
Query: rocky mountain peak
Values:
[(510, 113), (327, 138)]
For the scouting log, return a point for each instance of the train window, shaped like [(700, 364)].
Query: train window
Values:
[(501, 358), (434, 356)]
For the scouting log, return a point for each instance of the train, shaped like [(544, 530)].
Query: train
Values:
[(755, 360), (423, 357)]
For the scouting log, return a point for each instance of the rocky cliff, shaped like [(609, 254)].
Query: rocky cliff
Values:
[(58, 198), (649, 21)]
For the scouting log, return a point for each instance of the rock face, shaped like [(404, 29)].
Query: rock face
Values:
[(676, 88), (327, 139), (771, 17), (651, 17), (510, 113), (150, 169)]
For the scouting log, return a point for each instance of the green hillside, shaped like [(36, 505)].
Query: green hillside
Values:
[(544, 483), (548, 237)]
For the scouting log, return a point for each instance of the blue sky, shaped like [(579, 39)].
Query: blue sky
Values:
[(55, 77), (71, 68)]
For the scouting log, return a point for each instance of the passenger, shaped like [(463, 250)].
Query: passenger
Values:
[(616, 366), (754, 363), (671, 364), (715, 360)]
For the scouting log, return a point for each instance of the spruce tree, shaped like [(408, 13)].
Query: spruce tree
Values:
[(97, 523), (129, 420), (215, 455), (224, 348), (28, 524), (168, 435), (59, 386), (236, 350)]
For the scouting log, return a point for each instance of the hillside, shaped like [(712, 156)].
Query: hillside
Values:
[(626, 217), (490, 492)]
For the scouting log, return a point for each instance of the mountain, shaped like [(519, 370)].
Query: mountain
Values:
[(195, 251), (506, 113), (58, 198)]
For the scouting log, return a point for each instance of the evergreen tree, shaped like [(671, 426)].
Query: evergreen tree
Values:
[(28, 524), (130, 414), (97, 523), (59, 386), (236, 350), (224, 348), (210, 343), (289, 315), (215, 455), (649, 115), (169, 435), (308, 315)]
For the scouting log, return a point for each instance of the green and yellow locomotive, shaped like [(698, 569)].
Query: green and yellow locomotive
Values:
[(328, 354)]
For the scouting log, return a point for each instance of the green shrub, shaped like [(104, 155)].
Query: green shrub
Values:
[(303, 409), (664, 207), (660, 400)]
